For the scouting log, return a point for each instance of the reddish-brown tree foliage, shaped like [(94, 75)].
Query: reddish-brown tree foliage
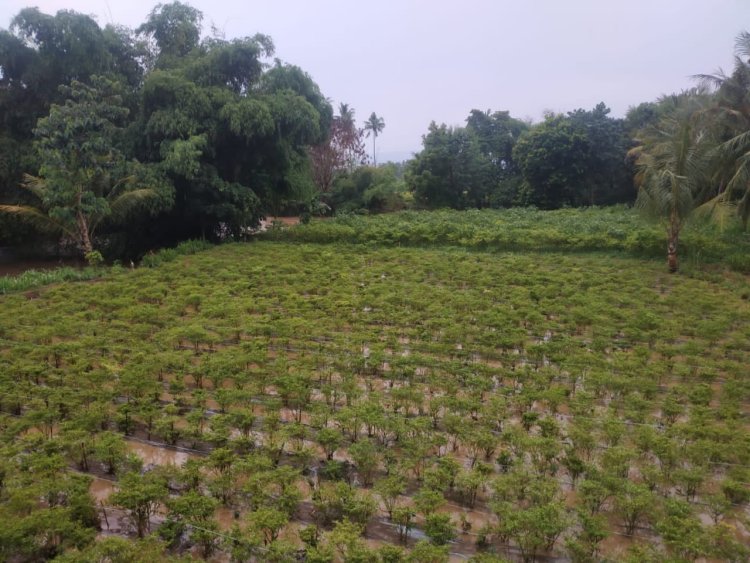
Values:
[(343, 151)]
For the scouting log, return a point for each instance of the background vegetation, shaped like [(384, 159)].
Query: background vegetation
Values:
[(128, 140)]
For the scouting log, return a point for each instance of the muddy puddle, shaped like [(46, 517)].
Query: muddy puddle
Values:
[(100, 489), (158, 455)]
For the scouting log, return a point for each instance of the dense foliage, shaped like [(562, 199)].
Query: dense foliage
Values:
[(216, 133), (615, 228), (588, 407), (498, 161), (188, 136)]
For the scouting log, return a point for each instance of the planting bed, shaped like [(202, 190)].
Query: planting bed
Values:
[(342, 399)]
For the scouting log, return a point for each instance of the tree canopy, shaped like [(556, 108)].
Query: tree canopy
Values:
[(223, 127)]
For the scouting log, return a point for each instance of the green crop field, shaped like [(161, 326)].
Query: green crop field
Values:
[(352, 401)]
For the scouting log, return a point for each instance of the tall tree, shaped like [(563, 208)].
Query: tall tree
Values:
[(552, 158), (175, 28), (450, 170), (83, 179), (672, 166), (729, 118), (38, 53), (497, 134), (342, 151), (374, 126), (575, 159)]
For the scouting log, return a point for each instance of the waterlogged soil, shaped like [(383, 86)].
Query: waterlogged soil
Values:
[(15, 267), (401, 329), (156, 454)]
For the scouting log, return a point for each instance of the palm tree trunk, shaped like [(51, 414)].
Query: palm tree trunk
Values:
[(374, 160), (83, 231), (672, 240)]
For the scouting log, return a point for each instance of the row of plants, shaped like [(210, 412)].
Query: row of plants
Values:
[(31, 279), (495, 406), (616, 228)]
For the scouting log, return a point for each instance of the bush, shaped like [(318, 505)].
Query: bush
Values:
[(164, 255), (35, 278)]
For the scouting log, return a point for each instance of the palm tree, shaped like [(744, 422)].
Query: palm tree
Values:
[(78, 225), (346, 115), (731, 114), (672, 167), (374, 125)]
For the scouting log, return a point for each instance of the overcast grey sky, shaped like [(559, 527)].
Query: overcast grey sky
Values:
[(414, 61)]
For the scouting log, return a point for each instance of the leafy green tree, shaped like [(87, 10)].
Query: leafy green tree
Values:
[(269, 522), (375, 190), (345, 538), (450, 170), (140, 496), (389, 488), (121, 550), (330, 440), (110, 449), (439, 528), (403, 517), (366, 458), (425, 552), (575, 159), (175, 28), (428, 501), (681, 530), (729, 118), (192, 512), (497, 133), (608, 175), (83, 179), (552, 158), (635, 503)]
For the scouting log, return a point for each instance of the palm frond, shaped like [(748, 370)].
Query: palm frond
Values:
[(34, 217), (738, 143), (120, 183), (718, 210), (35, 184), (742, 44), (711, 81), (127, 201)]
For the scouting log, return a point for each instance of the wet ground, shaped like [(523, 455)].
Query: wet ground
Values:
[(10, 266)]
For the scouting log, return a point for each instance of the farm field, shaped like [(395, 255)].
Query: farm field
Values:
[(617, 228), (255, 400)]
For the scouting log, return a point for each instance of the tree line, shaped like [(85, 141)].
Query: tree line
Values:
[(122, 140), (125, 140)]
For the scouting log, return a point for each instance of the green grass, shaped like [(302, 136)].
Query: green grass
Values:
[(509, 369), (610, 229), (32, 279), (36, 278)]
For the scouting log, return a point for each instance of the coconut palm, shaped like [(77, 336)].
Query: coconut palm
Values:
[(346, 115), (731, 124), (374, 126), (77, 225), (672, 167)]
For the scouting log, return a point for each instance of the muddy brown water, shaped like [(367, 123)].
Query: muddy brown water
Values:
[(16, 267), (152, 454), (100, 489)]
